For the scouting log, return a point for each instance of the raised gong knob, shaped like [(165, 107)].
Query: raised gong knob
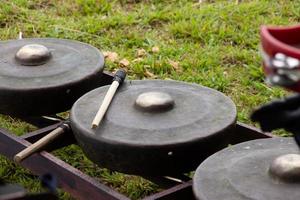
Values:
[(154, 101), (286, 168), (33, 54)]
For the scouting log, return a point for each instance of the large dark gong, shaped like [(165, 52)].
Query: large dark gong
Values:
[(264, 169), (46, 76), (153, 126)]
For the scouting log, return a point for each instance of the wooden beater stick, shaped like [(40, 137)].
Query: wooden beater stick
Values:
[(118, 79), (38, 145)]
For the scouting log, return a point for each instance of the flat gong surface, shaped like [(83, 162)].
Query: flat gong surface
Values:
[(70, 62), (198, 112), (240, 172)]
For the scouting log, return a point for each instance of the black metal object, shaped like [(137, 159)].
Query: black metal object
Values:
[(17, 192), (241, 172), (282, 113), (49, 182), (74, 69), (9, 191), (133, 141)]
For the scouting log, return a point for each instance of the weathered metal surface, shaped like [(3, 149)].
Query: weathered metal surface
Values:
[(241, 172), (286, 168), (154, 101), (74, 69), (139, 142), (33, 55)]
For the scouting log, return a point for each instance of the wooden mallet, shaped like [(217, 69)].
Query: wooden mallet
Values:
[(118, 79), (41, 143)]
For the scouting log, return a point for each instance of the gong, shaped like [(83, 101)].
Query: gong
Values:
[(261, 169), (46, 75), (154, 127)]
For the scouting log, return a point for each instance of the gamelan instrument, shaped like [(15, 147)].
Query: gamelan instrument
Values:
[(260, 169), (149, 127), (159, 127), (46, 75), (154, 126)]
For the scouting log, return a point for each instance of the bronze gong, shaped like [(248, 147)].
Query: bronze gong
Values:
[(46, 75), (154, 127), (262, 169)]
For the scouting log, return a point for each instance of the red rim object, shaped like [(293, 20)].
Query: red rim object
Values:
[(284, 41)]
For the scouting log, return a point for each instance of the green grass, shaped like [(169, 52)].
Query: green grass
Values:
[(216, 45)]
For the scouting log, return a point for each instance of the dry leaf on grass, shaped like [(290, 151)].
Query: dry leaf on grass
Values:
[(110, 56), (175, 65), (124, 62), (105, 53), (141, 52), (155, 49), (138, 60), (149, 74)]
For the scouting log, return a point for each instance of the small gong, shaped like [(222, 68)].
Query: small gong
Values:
[(154, 127), (46, 75), (262, 169)]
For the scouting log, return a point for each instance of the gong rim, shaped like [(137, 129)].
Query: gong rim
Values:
[(96, 67), (150, 158), (86, 131), (219, 176)]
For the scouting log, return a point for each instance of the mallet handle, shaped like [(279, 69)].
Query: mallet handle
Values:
[(118, 79), (38, 145), (104, 106)]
